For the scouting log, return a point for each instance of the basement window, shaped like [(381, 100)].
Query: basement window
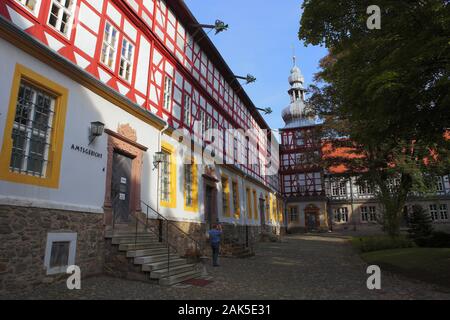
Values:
[(60, 252)]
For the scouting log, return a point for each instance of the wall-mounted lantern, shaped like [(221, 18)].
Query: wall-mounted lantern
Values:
[(96, 130), (266, 111), (248, 78)]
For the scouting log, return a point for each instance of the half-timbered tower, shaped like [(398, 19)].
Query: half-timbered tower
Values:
[(92, 93), (300, 172)]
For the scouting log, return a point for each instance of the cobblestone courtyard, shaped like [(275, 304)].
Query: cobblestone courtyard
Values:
[(302, 267)]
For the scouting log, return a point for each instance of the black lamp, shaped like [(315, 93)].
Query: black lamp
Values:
[(97, 129)]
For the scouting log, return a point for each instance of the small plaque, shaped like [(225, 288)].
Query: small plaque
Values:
[(123, 180), (122, 196)]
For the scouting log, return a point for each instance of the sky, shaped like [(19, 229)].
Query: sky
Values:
[(260, 41)]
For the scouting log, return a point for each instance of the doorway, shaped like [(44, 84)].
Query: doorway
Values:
[(211, 217), (121, 188), (262, 212)]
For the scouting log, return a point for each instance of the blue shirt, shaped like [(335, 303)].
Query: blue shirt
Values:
[(214, 236)]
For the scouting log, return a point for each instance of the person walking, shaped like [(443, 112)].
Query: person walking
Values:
[(215, 237)]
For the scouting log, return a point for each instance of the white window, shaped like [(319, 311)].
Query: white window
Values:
[(440, 184), (126, 60), (339, 188), (32, 5), (61, 15), (365, 214), (434, 212), (373, 214), (341, 215), (293, 214), (443, 209), (168, 88), (32, 131), (60, 252), (187, 110), (364, 188), (109, 47)]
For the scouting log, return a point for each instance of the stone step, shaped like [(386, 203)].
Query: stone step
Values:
[(175, 279), (133, 240), (131, 233), (150, 267), (174, 270), (155, 258), (146, 252), (140, 246)]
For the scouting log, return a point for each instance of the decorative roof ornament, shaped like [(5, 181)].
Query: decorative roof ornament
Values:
[(295, 115)]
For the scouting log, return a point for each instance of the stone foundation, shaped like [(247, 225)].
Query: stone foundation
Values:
[(23, 239)]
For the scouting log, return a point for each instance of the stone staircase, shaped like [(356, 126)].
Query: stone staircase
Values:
[(146, 252)]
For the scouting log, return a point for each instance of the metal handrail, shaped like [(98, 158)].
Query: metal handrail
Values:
[(161, 217), (168, 224)]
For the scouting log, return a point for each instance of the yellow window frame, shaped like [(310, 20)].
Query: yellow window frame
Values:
[(172, 203), (61, 94), (255, 206), (237, 206), (249, 203), (226, 191), (194, 172)]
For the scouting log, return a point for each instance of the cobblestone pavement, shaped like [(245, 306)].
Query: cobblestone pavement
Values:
[(302, 267)]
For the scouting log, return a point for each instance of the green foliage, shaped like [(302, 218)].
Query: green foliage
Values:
[(377, 243), (387, 91), (420, 226)]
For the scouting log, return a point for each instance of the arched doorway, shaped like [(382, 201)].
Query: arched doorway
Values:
[(312, 218)]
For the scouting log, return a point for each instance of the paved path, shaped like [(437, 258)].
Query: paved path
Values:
[(302, 267)]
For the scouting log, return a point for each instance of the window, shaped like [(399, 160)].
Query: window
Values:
[(236, 204), (60, 252), (373, 214), (32, 148), (440, 184), (255, 206), (190, 187), (249, 204), (126, 60), (225, 197), (61, 15), (443, 209), (168, 178), (109, 47), (32, 130), (293, 214), (365, 214), (364, 188), (341, 215), (32, 5), (168, 88), (339, 188), (187, 111), (189, 201), (434, 212)]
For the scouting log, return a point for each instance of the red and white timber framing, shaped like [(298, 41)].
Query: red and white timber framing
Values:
[(162, 49)]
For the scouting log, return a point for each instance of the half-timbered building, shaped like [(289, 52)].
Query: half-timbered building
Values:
[(92, 95)]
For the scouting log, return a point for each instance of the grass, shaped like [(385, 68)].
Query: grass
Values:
[(430, 265), (377, 243)]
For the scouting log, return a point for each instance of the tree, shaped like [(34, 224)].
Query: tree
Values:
[(387, 92), (420, 226)]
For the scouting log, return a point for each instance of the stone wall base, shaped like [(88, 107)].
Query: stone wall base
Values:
[(23, 239)]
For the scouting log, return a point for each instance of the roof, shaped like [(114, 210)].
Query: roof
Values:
[(184, 13)]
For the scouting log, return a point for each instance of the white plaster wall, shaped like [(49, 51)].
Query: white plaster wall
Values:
[(82, 178)]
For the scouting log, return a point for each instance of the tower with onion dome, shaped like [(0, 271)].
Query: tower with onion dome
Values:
[(302, 180)]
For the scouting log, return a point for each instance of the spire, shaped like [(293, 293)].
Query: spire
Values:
[(295, 114)]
